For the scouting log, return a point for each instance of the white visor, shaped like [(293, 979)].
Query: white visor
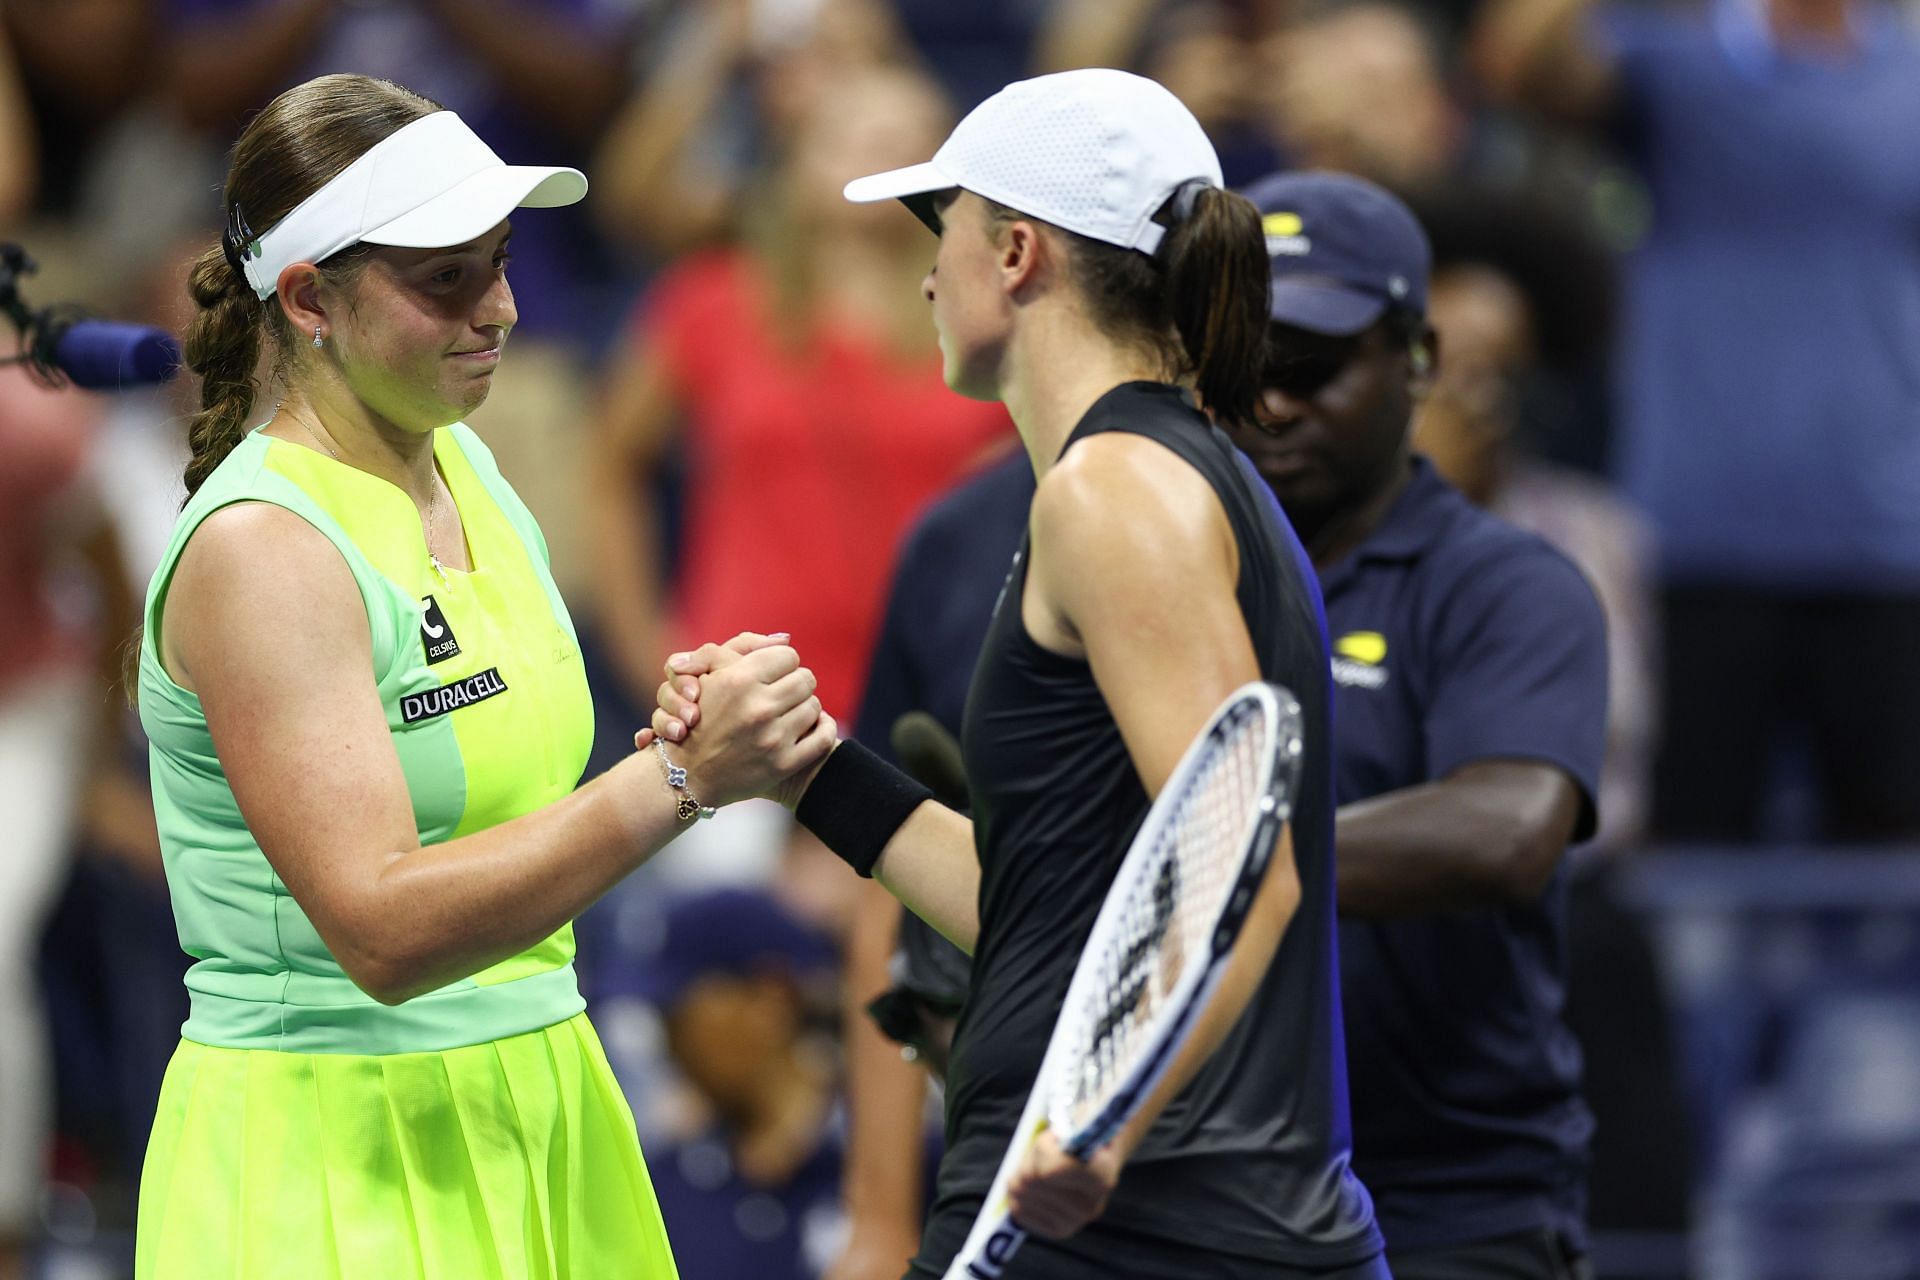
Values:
[(428, 185)]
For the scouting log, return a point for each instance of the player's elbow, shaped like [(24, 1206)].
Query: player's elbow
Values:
[(388, 978), (390, 964), (1521, 862), (385, 989)]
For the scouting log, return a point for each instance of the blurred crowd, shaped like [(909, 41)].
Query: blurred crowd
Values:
[(1677, 288)]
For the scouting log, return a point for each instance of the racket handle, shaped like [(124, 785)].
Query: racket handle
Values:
[(985, 1257)]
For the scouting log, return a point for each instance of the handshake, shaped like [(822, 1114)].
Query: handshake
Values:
[(741, 718)]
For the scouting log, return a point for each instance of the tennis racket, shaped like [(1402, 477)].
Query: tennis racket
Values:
[(1159, 945)]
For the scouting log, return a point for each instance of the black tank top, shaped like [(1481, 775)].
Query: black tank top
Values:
[(1251, 1159)]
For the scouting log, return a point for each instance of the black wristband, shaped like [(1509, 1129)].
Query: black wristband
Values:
[(855, 804)]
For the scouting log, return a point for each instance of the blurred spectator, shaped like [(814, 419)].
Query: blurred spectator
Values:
[(1493, 300), (976, 48), (1503, 272), (753, 1189), (1360, 88), (19, 152), (80, 63), (1770, 350), (1213, 55), (534, 77), (793, 374), (126, 933), (733, 81), (64, 599), (725, 90)]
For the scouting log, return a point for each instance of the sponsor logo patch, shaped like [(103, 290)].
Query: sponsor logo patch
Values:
[(428, 703), (1357, 659), (436, 634)]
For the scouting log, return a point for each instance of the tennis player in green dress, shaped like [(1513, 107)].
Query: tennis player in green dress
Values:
[(368, 715)]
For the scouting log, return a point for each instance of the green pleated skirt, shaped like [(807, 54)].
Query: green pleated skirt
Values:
[(510, 1160)]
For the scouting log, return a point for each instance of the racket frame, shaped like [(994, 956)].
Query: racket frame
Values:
[(995, 1236)]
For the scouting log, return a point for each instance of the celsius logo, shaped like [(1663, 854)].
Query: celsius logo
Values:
[(997, 1252), (416, 707), (436, 637)]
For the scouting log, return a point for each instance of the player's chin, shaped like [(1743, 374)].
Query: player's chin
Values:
[(972, 383), (469, 394)]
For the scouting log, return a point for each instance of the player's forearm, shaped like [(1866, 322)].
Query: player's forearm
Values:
[(1488, 835), (439, 913), (931, 866), (1247, 966)]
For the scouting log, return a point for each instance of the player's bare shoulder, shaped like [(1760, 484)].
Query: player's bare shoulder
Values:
[(1118, 491), (253, 570)]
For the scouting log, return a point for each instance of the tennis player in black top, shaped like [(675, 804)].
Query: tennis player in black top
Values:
[(1090, 267)]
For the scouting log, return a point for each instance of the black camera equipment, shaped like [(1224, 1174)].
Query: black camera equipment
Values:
[(61, 344)]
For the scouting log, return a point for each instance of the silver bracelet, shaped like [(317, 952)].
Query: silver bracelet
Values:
[(685, 806)]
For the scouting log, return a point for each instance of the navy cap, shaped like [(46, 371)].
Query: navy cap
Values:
[(1343, 251), (732, 932)]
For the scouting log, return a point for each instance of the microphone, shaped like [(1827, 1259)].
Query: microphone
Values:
[(60, 344), (101, 355), (932, 758)]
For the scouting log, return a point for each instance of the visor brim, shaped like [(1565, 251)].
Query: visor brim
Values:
[(470, 208)]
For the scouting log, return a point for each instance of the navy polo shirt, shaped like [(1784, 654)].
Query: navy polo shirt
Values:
[(1457, 637), (951, 568), (726, 1226)]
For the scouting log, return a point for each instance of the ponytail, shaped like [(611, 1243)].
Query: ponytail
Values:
[(1217, 284), (1199, 304), (222, 346)]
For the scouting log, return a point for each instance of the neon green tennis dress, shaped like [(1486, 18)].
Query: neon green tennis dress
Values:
[(306, 1130)]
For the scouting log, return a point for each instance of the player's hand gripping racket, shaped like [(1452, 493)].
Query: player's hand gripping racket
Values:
[(1158, 947)]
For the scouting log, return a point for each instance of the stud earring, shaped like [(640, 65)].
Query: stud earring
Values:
[(317, 339)]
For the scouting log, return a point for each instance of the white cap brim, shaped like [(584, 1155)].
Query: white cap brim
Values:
[(897, 184), (475, 205)]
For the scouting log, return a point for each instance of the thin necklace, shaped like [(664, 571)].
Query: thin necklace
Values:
[(433, 498)]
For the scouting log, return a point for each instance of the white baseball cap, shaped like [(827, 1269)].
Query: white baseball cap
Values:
[(1096, 152), (427, 185)]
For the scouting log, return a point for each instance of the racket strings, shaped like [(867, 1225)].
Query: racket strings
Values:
[(1169, 914)]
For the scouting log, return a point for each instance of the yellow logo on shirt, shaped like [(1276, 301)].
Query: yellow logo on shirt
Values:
[(1369, 647), (1357, 656)]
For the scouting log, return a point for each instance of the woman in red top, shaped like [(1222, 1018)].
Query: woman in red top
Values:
[(793, 375)]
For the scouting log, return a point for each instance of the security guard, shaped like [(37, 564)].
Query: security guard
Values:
[(1469, 661)]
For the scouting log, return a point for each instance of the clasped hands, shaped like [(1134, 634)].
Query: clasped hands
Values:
[(742, 719)]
